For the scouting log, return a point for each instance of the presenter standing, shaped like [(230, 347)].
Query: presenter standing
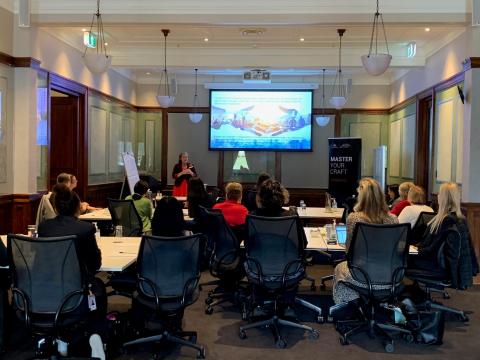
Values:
[(182, 172)]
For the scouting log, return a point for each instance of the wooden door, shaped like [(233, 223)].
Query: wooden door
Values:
[(64, 137)]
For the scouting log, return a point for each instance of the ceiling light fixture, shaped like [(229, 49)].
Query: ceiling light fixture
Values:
[(302, 39), (427, 29), (206, 39), (339, 91), (323, 119), (376, 63), (195, 116), (165, 97), (97, 62)]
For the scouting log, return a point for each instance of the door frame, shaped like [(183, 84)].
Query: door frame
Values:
[(423, 140), (71, 88)]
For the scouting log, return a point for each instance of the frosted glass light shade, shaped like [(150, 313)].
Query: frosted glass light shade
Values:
[(376, 64), (165, 101), (97, 63), (337, 102), (322, 120), (195, 118)]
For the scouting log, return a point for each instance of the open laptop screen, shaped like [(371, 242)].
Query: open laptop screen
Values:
[(341, 234)]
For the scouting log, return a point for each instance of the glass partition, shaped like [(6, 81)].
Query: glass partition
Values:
[(111, 131), (149, 142)]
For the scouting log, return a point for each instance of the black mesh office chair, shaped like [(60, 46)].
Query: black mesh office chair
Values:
[(275, 266), (420, 226), (445, 274), (226, 263), (49, 287), (376, 257), (124, 213), (168, 276)]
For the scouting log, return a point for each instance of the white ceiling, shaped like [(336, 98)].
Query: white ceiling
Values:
[(133, 31)]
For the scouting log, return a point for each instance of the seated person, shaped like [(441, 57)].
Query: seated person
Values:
[(416, 198), (250, 200), (197, 196), (67, 206), (168, 218), (449, 215), (233, 211), (45, 208), (370, 208), (84, 206), (142, 204), (271, 198), (393, 195), (403, 190)]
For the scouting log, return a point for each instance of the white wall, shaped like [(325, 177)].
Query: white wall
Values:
[(442, 65), (6, 151), (6, 27)]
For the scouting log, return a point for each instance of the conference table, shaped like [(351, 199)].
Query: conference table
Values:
[(118, 253), (104, 215)]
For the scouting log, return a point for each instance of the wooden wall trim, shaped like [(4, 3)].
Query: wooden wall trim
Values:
[(107, 97), (12, 61), (24, 211), (471, 63), (403, 104), (337, 132)]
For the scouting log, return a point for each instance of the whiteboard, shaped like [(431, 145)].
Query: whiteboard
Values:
[(131, 170)]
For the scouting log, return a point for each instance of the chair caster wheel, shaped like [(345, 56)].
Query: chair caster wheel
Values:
[(408, 338), (464, 318), (389, 347), (209, 310), (320, 319), (242, 335), (208, 301), (344, 341), (201, 354), (446, 295), (314, 335), (281, 343)]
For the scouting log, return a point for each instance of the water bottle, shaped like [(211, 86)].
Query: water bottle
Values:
[(303, 207), (334, 203), (118, 231), (328, 204), (97, 231), (333, 233)]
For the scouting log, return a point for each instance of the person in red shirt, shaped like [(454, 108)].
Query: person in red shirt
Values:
[(403, 190), (233, 211)]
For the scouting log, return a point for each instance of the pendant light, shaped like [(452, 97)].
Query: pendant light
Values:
[(165, 97), (323, 120), (195, 117), (97, 61), (376, 63), (339, 92)]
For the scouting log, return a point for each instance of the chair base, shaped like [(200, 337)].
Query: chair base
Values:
[(274, 325), (176, 338), (221, 294)]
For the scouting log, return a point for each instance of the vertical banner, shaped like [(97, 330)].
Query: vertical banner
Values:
[(345, 159)]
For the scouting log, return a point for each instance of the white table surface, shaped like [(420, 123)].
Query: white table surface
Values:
[(319, 213), (104, 215), (317, 240)]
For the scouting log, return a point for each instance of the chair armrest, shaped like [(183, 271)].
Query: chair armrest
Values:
[(258, 266), (220, 261), (195, 280), (64, 302), (26, 306), (152, 286), (394, 278), (287, 267), (367, 278)]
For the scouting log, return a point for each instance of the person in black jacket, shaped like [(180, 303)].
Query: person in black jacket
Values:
[(197, 196), (67, 206), (250, 198), (444, 228), (271, 197)]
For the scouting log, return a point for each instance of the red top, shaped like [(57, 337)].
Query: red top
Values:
[(397, 209), (233, 212)]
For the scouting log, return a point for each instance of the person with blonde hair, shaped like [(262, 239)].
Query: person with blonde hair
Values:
[(233, 211), (403, 190), (449, 217), (370, 208), (416, 198)]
